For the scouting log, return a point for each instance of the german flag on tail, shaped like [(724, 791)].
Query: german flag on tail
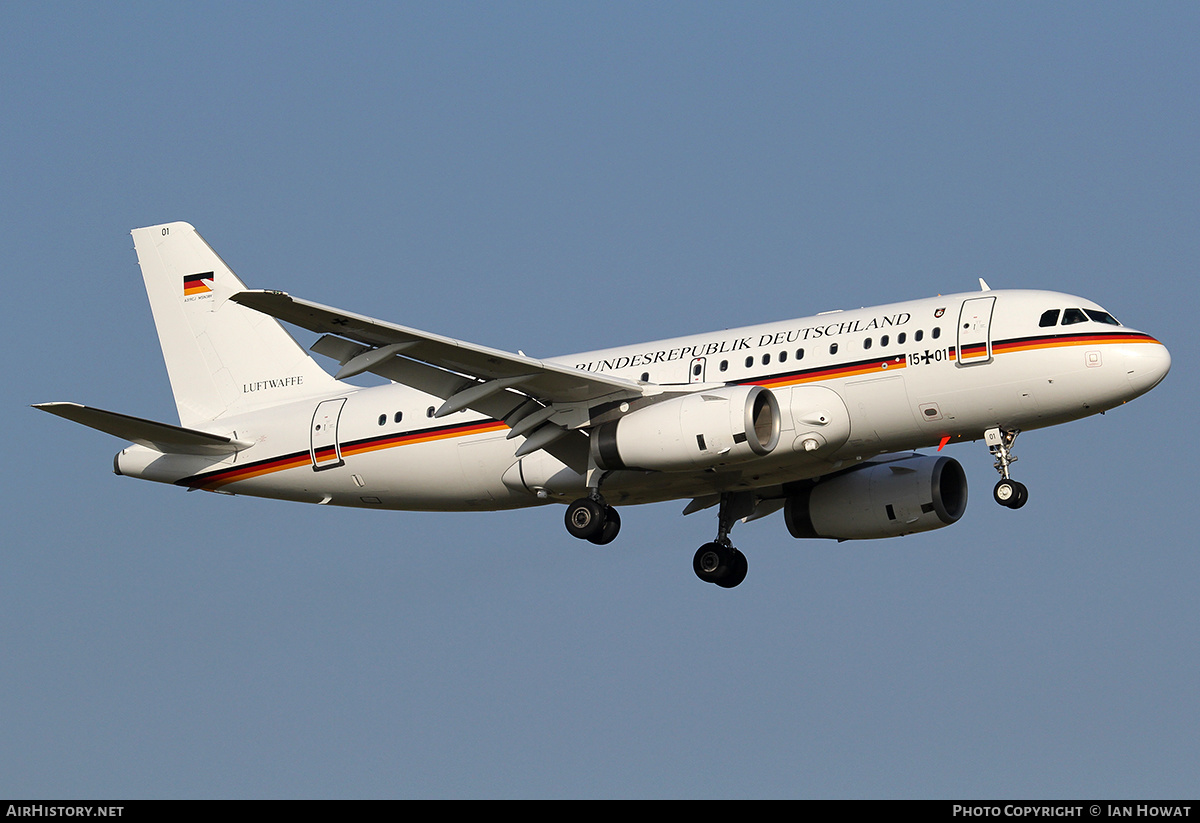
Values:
[(194, 283)]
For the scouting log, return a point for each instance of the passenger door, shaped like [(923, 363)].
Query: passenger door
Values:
[(324, 448), (975, 331)]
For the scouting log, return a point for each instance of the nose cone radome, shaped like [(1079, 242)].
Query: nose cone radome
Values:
[(1146, 365)]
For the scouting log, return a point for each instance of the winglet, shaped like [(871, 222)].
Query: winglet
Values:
[(983, 286)]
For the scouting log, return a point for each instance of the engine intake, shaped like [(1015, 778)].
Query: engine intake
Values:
[(891, 498), (701, 430)]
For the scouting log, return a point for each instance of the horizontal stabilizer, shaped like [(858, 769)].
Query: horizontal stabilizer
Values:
[(161, 437)]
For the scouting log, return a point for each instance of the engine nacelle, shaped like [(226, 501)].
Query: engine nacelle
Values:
[(891, 498), (731, 424)]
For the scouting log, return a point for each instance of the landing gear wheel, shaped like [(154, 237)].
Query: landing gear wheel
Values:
[(585, 518), (1004, 491), (737, 570), (1011, 493), (1021, 498), (723, 565), (711, 562), (612, 525)]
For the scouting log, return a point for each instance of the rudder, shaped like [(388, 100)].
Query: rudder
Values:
[(222, 358)]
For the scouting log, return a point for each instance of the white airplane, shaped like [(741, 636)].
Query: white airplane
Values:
[(817, 416)]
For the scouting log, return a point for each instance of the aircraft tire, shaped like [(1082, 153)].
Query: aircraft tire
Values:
[(585, 518), (1011, 493), (612, 526), (1004, 491), (712, 562), (737, 570)]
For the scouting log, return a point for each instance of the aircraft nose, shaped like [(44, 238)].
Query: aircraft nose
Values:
[(1146, 365)]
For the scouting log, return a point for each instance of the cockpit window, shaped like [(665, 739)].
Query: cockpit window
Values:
[(1073, 316), (1102, 317), (1049, 318)]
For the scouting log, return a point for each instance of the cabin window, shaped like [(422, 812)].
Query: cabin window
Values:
[(1073, 316), (918, 335), (724, 365), (766, 359), (799, 354), (1049, 318), (783, 357), (382, 419), (900, 338), (749, 362), (429, 412), (1102, 317), (937, 332), (398, 416), (883, 341), (867, 343), (646, 376), (833, 348)]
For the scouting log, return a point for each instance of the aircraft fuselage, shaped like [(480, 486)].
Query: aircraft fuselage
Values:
[(851, 385)]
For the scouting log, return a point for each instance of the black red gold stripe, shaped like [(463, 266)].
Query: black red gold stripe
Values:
[(856, 369), (1051, 341), (223, 477), (371, 444), (213, 480)]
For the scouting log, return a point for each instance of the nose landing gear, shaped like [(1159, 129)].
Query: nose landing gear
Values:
[(1007, 492)]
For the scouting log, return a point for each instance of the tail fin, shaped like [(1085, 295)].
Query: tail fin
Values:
[(222, 358)]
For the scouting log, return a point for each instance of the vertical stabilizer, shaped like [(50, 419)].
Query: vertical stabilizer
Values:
[(222, 358)]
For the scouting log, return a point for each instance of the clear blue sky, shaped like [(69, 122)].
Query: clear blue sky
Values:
[(561, 177)]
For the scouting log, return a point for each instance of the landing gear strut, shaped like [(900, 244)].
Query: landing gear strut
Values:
[(719, 562), (1008, 492)]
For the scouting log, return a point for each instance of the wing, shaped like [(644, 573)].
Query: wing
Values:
[(546, 381), (546, 402)]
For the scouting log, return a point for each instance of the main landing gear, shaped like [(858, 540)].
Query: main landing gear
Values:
[(592, 519), (1008, 492), (719, 562)]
